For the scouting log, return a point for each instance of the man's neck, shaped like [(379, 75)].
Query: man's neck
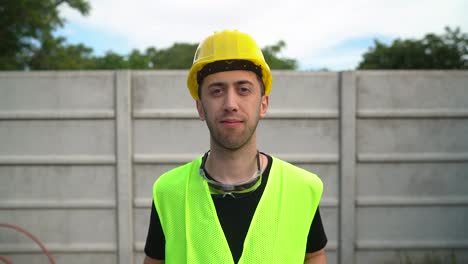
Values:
[(232, 166)]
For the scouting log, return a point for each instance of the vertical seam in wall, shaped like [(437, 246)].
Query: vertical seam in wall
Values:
[(123, 152), (347, 142)]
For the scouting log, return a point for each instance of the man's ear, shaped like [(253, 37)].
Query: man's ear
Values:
[(201, 111), (264, 105)]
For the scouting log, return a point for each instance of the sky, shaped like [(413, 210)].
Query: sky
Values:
[(319, 34)]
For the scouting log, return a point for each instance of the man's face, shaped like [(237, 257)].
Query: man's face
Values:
[(232, 104)]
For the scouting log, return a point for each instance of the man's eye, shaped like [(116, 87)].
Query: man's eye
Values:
[(216, 91), (244, 90)]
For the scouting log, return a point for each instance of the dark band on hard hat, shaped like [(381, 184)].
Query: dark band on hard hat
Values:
[(228, 65)]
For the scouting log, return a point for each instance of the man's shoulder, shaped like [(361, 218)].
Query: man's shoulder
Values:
[(289, 166), (294, 171), (178, 174)]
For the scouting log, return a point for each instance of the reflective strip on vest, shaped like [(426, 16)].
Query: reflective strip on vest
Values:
[(278, 230)]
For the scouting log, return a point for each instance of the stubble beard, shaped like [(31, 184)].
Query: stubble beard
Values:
[(232, 141)]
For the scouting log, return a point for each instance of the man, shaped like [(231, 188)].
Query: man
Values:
[(234, 204)]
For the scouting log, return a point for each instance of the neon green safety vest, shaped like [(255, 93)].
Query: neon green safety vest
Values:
[(278, 230)]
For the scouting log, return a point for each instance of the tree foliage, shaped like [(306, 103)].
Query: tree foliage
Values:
[(446, 51), (178, 56), (271, 56), (27, 43), (53, 54), (25, 25), (110, 61)]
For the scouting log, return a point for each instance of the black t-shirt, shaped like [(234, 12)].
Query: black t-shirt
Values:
[(235, 215)]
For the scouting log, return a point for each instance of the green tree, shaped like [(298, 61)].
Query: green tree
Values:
[(27, 24), (178, 56), (53, 54), (110, 61), (151, 53), (27, 42), (446, 51), (271, 56), (137, 60)]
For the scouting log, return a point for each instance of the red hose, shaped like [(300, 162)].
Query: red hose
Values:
[(19, 229), (7, 261)]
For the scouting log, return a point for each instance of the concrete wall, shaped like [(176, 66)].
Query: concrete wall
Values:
[(79, 152)]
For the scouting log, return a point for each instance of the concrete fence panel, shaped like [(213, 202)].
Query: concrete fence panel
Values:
[(79, 152), (412, 174), (57, 166)]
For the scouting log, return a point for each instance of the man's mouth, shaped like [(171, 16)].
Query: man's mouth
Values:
[(231, 122)]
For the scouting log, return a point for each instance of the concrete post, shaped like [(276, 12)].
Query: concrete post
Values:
[(124, 185), (347, 179)]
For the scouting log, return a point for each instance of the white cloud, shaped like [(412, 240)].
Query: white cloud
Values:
[(308, 27)]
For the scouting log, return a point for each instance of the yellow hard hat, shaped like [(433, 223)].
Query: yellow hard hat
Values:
[(227, 45)]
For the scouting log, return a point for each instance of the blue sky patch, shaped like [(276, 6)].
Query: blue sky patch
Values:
[(345, 55), (99, 41)]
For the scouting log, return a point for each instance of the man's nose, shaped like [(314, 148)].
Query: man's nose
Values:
[(230, 101)]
